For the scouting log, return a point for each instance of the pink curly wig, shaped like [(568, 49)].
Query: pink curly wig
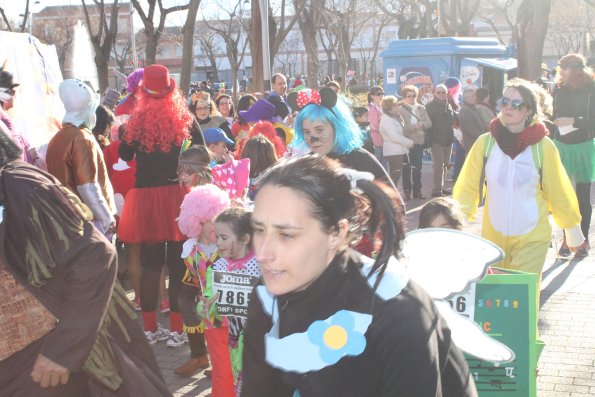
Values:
[(266, 129), (157, 124), (201, 204)]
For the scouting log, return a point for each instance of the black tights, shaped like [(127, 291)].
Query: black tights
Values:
[(152, 258), (583, 194)]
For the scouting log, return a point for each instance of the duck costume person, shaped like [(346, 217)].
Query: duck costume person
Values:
[(525, 182)]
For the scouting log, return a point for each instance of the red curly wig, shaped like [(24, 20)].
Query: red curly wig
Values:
[(157, 124), (266, 129)]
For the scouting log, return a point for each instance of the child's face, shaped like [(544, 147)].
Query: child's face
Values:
[(229, 245), (218, 149), (187, 178), (362, 119), (208, 234), (441, 222)]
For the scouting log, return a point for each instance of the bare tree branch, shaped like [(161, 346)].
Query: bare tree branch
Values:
[(5, 19)]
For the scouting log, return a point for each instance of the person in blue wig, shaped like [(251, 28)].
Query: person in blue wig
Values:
[(328, 128)]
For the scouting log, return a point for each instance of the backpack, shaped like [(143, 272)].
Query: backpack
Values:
[(536, 149)]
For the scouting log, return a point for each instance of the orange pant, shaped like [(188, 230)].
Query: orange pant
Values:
[(221, 378)]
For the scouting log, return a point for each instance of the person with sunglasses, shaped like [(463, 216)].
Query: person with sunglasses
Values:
[(416, 123), (574, 111), (374, 115), (525, 180)]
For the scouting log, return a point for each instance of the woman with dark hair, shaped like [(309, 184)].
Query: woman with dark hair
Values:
[(326, 321), (525, 183), (103, 125), (245, 102), (206, 116), (574, 111), (225, 106)]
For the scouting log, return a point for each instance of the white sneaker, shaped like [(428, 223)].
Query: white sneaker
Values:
[(157, 336), (175, 339)]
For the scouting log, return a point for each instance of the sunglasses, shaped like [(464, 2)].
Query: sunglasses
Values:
[(379, 94), (516, 104)]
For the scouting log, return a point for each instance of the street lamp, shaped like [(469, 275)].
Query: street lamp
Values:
[(34, 9)]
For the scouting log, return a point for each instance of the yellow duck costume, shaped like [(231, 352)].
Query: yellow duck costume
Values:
[(521, 191)]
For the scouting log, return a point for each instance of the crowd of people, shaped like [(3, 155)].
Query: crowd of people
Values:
[(283, 197)]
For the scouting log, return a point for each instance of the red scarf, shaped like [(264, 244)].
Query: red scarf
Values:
[(513, 144)]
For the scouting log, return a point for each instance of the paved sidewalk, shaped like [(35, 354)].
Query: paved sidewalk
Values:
[(566, 323)]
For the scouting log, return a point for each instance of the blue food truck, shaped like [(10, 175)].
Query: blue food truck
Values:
[(475, 61)]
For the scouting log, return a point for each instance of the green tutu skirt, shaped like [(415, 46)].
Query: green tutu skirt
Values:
[(579, 160)]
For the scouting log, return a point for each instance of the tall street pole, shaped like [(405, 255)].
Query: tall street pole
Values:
[(266, 55)]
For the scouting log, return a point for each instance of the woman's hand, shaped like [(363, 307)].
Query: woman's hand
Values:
[(48, 373)]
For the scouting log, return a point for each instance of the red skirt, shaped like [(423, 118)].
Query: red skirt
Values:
[(150, 213)]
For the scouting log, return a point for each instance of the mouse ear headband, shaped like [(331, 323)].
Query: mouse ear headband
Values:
[(326, 97)]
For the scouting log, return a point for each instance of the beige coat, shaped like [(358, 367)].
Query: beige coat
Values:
[(393, 140), (421, 116)]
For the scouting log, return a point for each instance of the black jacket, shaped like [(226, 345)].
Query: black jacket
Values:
[(442, 117), (580, 105), (409, 351)]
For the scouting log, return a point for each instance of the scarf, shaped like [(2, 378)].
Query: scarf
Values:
[(513, 144)]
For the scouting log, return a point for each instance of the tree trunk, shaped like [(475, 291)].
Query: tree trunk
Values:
[(531, 28), (188, 46), (256, 48), (102, 71)]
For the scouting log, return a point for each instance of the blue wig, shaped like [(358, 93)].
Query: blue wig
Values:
[(348, 136)]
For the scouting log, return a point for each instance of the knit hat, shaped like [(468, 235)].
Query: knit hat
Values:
[(451, 82), (260, 110), (80, 103), (156, 81)]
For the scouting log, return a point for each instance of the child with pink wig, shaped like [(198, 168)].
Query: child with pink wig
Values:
[(197, 212)]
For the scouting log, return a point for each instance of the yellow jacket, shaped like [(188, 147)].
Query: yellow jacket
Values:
[(516, 206)]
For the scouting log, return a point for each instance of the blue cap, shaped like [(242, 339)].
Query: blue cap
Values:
[(214, 135)]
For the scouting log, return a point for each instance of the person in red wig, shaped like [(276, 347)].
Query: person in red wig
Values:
[(159, 124)]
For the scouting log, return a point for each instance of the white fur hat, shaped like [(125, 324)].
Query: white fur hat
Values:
[(80, 103)]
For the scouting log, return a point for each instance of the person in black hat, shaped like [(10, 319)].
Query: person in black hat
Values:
[(7, 94)]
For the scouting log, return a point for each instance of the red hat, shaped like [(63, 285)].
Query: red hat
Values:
[(156, 81)]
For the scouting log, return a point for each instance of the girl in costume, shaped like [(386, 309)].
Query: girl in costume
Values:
[(193, 170), (574, 109), (329, 129), (525, 182), (234, 235), (326, 321), (200, 206), (158, 126)]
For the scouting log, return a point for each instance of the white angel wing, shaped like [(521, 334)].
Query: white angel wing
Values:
[(444, 261), (470, 338)]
